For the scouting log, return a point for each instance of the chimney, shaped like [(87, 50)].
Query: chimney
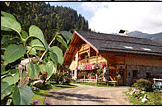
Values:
[(124, 33)]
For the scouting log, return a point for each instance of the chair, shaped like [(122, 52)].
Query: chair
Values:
[(112, 81)]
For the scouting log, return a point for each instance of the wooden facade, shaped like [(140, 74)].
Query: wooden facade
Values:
[(81, 52)]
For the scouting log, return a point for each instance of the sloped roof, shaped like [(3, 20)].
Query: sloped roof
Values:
[(117, 43), (111, 43)]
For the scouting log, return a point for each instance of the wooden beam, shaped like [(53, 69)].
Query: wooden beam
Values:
[(69, 53), (87, 41), (75, 45), (97, 58)]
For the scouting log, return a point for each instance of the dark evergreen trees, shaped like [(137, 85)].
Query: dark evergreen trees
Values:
[(47, 17)]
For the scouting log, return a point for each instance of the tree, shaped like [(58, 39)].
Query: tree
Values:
[(46, 17), (18, 45)]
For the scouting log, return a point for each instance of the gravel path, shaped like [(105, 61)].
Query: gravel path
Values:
[(88, 95)]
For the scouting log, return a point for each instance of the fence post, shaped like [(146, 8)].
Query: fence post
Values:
[(96, 78), (84, 79)]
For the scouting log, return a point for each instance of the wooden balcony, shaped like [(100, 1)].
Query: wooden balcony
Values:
[(92, 60)]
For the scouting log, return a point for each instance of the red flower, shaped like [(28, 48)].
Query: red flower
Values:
[(86, 60), (76, 68)]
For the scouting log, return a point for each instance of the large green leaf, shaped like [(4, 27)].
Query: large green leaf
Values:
[(37, 45), (11, 24), (67, 35), (5, 89), (14, 52), (22, 95), (42, 67), (13, 71), (3, 70), (8, 15), (50, 69), (31, 50), (12, 79), (53, 57), (33, 70), (24, 34), (5, 28), (6, 40), (35, 31), (58, 52), (61, 40)]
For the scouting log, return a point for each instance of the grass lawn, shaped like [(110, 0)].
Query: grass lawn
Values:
[(94, 84), (40, 95), (154, 99)]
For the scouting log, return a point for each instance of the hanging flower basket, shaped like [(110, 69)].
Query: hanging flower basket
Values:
[(76, 68)]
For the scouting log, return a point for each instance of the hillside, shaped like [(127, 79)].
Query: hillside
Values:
[(45, 16), (156, 37)]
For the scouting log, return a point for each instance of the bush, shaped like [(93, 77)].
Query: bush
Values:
[(60, 78), (143, 84)]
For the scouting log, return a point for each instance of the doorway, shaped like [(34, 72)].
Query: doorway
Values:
[(122, 72)]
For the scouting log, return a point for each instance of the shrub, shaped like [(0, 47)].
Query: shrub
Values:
[(143, 84), (60, 79)]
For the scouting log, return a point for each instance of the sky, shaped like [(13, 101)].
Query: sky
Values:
[(110, 17)]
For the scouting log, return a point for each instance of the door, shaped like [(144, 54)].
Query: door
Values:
[(121, 80), (121, 71)]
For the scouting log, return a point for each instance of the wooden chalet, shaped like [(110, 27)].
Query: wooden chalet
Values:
[(131, 57)]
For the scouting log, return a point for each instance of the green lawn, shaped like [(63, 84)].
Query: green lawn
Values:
[(40, 95), (154, 99), (93, 84)]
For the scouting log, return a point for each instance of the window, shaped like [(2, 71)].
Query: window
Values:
[(128, 47), (148, 75), (146, 49), (134, 73)]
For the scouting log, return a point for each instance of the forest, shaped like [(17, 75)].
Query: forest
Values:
[(47, 17)]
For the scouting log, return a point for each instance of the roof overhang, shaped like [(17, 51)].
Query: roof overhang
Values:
[(76, 41)]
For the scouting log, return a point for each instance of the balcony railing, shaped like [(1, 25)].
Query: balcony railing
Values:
[(91, 63), (92, 60)]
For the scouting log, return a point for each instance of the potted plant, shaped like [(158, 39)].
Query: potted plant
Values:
[(86, 58)]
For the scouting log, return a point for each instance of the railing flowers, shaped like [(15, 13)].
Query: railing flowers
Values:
[(91, 77), (89, 67)]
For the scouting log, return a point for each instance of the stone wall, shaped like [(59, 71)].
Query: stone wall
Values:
[(154, 72)]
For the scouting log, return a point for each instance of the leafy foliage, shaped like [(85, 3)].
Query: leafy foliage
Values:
[(22, 95), (46, 17), (33, 70), (14, 52), (143, 84), (18, 54)]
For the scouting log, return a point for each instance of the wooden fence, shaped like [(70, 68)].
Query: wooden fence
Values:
[(86, 80)]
